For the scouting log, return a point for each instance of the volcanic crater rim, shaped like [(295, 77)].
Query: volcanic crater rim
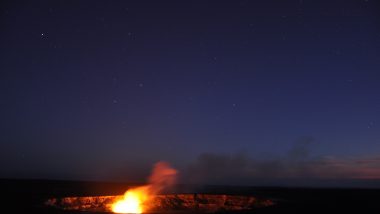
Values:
[(166, 203)]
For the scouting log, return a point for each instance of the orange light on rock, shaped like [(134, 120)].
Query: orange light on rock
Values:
[(132, 202)]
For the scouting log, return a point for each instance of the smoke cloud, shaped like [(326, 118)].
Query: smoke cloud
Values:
[(297, 166), (163, 178)]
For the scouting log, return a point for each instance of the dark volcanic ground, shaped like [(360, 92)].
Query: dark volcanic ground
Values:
[(28, 196)]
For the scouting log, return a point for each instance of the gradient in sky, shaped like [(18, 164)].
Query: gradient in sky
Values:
[(100, 90)]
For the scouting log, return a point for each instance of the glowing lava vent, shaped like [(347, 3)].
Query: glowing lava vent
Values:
[(132, 202), (135, 200)]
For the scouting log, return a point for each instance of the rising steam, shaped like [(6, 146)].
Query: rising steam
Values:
[(163, 177), (136, 200)]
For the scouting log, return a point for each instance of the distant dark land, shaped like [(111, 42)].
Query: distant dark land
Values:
[(28, 196)]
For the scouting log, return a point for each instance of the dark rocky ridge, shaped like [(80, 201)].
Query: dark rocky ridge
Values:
[(207, 203), (29, 196)]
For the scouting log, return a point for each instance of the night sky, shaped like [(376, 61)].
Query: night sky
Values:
[(227, 92)]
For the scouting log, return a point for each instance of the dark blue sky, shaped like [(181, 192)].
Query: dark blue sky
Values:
[(103, 89)]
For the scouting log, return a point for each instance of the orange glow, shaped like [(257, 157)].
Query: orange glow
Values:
[(135, 200), (132, 201)]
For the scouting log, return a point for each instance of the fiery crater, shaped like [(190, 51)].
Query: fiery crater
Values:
[(132, 202), (148, 199), (168, 203), (163, 176)]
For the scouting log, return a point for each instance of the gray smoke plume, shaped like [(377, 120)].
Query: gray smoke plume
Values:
[(297, 165)]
